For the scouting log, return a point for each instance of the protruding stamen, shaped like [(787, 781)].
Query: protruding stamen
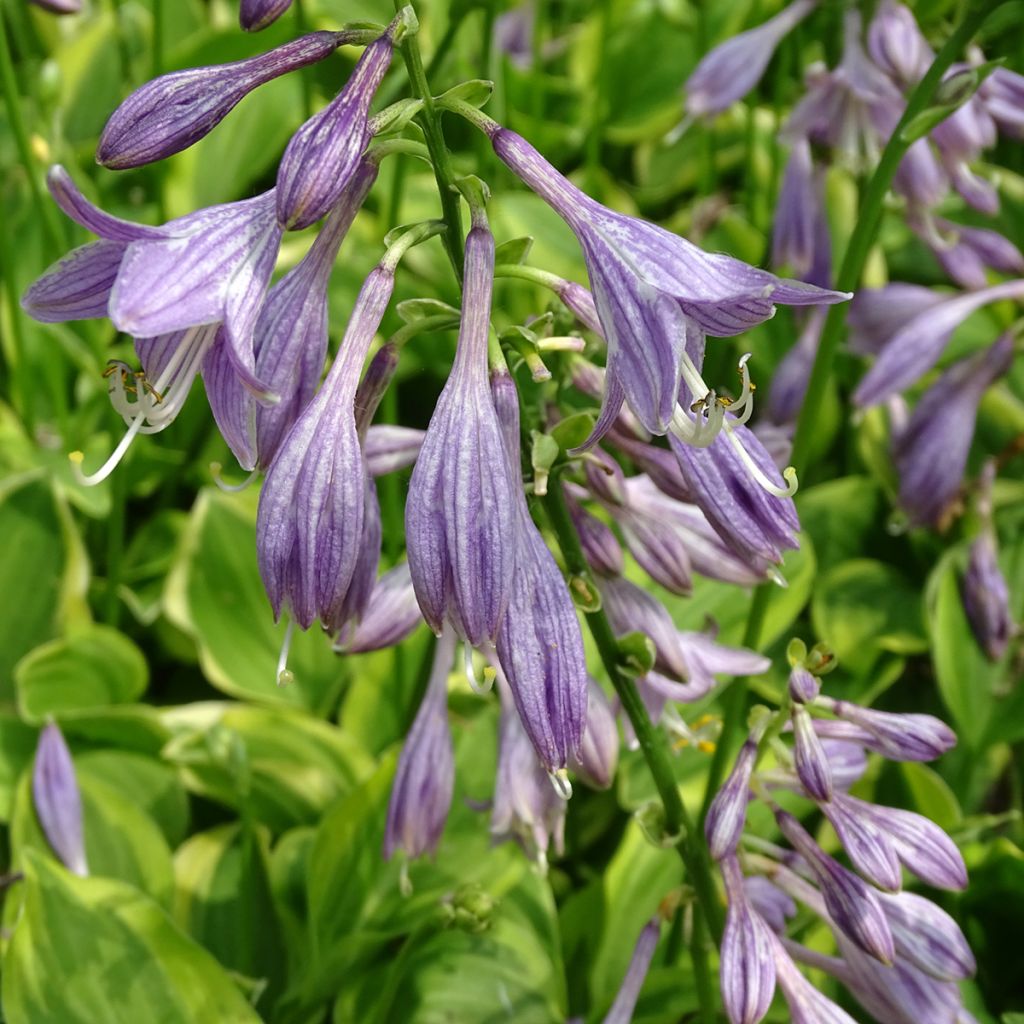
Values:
[(485, 683), (284, 674), (215, 472), (108, 467), (560, 780), (788, 474)]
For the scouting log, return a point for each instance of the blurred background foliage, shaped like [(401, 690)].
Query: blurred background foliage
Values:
[(234, 827)]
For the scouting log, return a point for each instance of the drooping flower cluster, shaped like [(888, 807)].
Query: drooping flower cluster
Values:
[(899, 954)]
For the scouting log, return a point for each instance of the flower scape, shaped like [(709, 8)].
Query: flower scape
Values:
[(487, 645)]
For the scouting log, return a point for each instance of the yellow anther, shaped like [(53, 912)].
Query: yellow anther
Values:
[(706, 747)]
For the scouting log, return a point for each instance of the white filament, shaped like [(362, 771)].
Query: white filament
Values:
[(284, 675), (483, 684)]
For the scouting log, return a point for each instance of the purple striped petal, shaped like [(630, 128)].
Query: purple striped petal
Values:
[(812, 767), (926, 936), (57, 800), (76, 287), (870, 848), (747, 972), (391, 614)]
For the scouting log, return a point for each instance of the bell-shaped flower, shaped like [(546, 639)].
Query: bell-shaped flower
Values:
[(931, 451), (598, 755), (460, 516), (655, 295), (422, 791), (527, 806), (539, 644), (172, 112), (621, 1011), (390, 615), (324, 154), (57, 799), (851, 904), (310, 523), (756, 523), (747, 958), (729, 71), (254, 15), (917, 344), (896, 44), (986, 597)]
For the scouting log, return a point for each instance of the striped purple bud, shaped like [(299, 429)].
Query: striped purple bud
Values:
[(389, 448), (598, 755), (324, 154), (254, 15), (899, 737), (810, 760), (747, 972), (870, 848), (391, 614), (927, 937), (896, 44), (986, 597), (631, 609), (728, 811), (600, 546), (57, 800), (768, 900), (803, 687), (806, 1004), (850, 903), (422, 791), (174, 111)]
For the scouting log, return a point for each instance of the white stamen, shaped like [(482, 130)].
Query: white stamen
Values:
[(404, 882), (560, 780), (284, 675), (215, 472), (108, 467), (788, 474), (679, 131), (482, 685)]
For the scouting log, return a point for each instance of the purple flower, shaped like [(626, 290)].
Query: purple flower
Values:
[(803, 687), (389, 448), (899, 737), (600, 547), (326, 151), (800, 239), (1003, 95), (527, 806), (539, 644), (254, 15), (986, 597), (755, 524), (390, 615), (747, 972), (877, 314), (896, 44), (927, 937), (768, 900), (806, 1004), (728, 811), (460, 517), (655, 295), (916, 345), (422, 790), (631, 609), (870, 848), (789, 383), (59, 6), (851, 904), (598, 755), (174, 111), (729, 71), (621, 1011), (810, 759), (658, 466), (310, 523), (931, 451), (57, 800), (965, 253)]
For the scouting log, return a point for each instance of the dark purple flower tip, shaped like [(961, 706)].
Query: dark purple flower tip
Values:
[(172, 112), (803, 687), (422, 792), (747, 973), (851, 904), (812, 765), (254, 15), (986, 598), (728, 811), (311, 524), (460, 517), (900, 737), (927, 937), (57, 799), (806, 1004), (598, 755), (325, 152)]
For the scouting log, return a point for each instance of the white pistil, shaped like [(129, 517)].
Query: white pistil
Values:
[(218, 479), (481, 685), (284, 675), (560, 780), (789, 473)]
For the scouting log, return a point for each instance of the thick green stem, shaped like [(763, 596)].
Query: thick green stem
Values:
[(654, 747), (868, 219), (430, 119), (9, 83)]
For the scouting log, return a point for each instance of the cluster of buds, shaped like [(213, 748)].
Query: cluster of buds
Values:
[(899, 954)]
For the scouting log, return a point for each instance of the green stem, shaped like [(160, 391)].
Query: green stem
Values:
[(115, 547), (157, 55), (654, 747), (9, 83), (866, 228), (301, 28), (430, 120)]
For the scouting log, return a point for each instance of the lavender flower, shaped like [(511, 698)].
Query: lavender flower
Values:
[(310, 523), (899, 737), (916, 345), (324, 154), (965, 253), (729, 71), (600, 547), (1003, 95), (812, 767), (806, 1004), (747, 973), (57, 799), (655, 295), (931, 451), (422, 791), (621, 1011), (877, 314), (800, 238), (254, 15), (728, 811), (59, 6), (789, 383), (986, 597), (927, 937), (598, 755), (390, 615), (870, 848), (389, 448), (174, 111), (896, 44), (460, 514)]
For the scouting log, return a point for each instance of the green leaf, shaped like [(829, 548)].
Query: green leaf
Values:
[(862, 607), (223, 900), (91, 949), (43, 565), (932, 796), (90, 668), (282, 767), (17, 748), (514, 251), (842, 518), (215, 595)]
